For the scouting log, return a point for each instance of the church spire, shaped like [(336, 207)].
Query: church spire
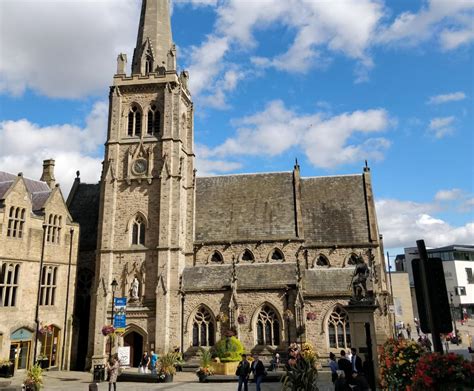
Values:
[(155, 51)]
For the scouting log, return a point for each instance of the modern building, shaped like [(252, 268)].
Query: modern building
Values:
[(37, 238), (267, 256), (458, 266)]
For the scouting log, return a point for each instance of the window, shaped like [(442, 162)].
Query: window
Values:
[(353, 260), (53, 229), (276, 255), (203, 328), (247, 256), (48, 345), (322, 261), (134, 122), (268, 327), (9, 275), (460, 290), (48, 285), (154, 118), (216, 257), (138, 231), (470, 277), (16, 222), (339, 329)]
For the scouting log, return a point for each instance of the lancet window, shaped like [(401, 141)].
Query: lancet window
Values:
[(268, 327), (339, 330), (138, 230), (134, 121), (154, 117), (203, 328)]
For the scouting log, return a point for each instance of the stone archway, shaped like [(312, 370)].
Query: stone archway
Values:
[(135, 341)]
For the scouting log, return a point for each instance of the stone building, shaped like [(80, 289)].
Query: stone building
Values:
[(269, 256), (37, 235)]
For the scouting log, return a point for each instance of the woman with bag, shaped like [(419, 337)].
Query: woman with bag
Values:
[(113, 370), (144, 362)]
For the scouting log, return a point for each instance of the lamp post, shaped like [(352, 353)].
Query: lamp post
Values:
[(454, 320), (114, 285)]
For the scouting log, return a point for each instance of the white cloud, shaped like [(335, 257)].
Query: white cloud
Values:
[(441, 126), (24, 146), (444, 98), (404, 222), (327, 141), (452, 39), (449, 195)]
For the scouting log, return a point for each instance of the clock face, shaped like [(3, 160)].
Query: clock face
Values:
[(139, 167)]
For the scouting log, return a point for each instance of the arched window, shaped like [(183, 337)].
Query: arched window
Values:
[(138, 231), (154, 117), (276, 255), (353, 260), (247, 256), (321, 260), (134, 122), (203, 328), (339, 330), (268, 327), (216, 257)]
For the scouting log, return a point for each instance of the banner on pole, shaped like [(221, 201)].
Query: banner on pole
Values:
[(120, 317)]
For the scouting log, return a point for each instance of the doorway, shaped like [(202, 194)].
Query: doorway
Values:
[(135, 341), (20, 354)]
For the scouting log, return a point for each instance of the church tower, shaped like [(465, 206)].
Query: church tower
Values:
[(145, 233)]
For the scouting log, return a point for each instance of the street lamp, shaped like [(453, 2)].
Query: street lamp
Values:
[(114, 285), (452, 316)]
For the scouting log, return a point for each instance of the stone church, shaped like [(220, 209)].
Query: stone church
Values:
[(269, 256)]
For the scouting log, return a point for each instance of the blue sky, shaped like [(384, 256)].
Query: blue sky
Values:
[(330, 83)]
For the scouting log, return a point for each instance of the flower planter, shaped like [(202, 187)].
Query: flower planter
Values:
[(202, 378), (168, 379), (225, 368)]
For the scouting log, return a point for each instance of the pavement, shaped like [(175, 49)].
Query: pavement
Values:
[(183, 381)]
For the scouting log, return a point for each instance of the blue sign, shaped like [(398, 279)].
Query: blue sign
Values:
[(120, 317)]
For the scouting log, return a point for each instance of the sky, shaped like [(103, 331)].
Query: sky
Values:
[(330, 83)]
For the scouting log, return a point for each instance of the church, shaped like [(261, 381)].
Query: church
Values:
[(269, 257)]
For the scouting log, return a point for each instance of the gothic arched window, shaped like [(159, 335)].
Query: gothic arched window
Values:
[(276, 255), (138, 231), (134, 121), (154, 117), (216, 257), (322, 261), (339, 330), (268, 327), (203, 328), (247, 256)]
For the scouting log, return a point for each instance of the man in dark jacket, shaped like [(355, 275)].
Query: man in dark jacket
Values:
[(356, 361), (345, 365), (243, 372), (258, 370), (359, 382)]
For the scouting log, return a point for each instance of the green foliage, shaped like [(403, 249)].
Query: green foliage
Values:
[(34, 377), (302, 376), (229, 349), (168, 363), (206, 358)]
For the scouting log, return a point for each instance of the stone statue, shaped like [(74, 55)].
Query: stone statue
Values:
[(359, 281), (134, 290)]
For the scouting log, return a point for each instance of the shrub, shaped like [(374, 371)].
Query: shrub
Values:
[(302, 375), (168, 363), (228, 349)]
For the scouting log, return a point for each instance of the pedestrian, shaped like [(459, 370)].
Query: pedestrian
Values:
[(333, 366), (341, 383), (408, 329), (112, 370), (359, 382), (258, 370), (153, 360), (356, 361), (417, 325), (345, 365), (277, 361), (243, 372), (144, 362)]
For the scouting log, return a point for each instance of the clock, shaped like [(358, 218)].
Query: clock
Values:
[(139, 167)]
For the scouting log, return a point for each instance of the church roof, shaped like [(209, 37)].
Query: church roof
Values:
[(243, 207)]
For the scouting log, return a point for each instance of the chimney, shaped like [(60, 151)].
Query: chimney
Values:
[(48, 173)]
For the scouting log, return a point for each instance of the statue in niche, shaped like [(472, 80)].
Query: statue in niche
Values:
[(134, 290), (360, 291)]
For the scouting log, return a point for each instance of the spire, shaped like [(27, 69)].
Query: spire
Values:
[(155, 49)]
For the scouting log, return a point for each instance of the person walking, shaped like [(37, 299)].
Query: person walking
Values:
[(345, 365), (144, 362), (356, 361), (408, 330), (417, 326), (153, 360), (112, 370), (258, 370), (333, 366), (243, 372)]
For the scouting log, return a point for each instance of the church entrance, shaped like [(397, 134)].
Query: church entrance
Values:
[(135, 341)]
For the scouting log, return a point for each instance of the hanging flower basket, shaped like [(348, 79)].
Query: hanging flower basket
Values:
[(107, 330), (242, 319), (46, 330), (229, 333), (288, 315), (223, 318), (311, 316)]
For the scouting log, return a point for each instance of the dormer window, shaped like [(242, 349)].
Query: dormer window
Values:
[(134, 121), (154, 118)]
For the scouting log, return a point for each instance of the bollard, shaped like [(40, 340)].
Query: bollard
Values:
[(93, 387)]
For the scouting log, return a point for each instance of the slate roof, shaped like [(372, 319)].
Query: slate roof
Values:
[(243, 207), (39, 191), (84, 209), (334, 210)]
